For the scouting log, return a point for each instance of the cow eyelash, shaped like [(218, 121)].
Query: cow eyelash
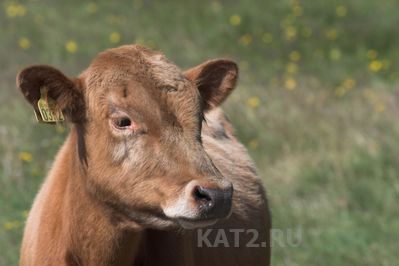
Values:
[(168, 89)]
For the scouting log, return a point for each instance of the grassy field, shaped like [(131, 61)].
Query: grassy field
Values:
[(317, 106)]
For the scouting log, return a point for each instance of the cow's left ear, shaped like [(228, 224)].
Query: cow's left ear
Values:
[(67, 93), (215, 80)]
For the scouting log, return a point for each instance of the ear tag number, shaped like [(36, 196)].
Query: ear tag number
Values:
[(49, 113)]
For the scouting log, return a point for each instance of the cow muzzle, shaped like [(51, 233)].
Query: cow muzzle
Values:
[(202, 203)]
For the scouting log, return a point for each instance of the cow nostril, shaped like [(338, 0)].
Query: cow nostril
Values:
[(203, 196), (211, 200)]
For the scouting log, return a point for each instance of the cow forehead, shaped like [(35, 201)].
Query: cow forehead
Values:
[(122, 64), (119, 68)]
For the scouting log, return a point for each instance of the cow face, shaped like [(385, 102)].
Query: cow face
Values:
[(138, 123)]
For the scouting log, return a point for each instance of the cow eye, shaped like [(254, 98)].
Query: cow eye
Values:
[(168, 89), (122, 122)]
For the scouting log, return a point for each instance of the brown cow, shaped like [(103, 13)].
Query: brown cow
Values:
[(147, 172)]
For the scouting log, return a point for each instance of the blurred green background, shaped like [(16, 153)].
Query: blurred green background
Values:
[(317, 106)]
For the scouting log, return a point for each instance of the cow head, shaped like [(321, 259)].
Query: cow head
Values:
[(138, 118)]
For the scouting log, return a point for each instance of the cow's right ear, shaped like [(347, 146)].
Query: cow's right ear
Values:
[(66, 93)]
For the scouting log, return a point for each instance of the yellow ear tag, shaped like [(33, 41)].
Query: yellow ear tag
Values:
[(49, 113)]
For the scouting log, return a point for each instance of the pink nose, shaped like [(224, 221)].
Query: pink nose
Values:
[(212, 199)]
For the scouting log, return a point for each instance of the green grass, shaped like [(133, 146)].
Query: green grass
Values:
[(316, 106)]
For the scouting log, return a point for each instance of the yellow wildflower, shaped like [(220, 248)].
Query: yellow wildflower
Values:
[(71, 47), (12, 224), (290, 84), (331, 34), (114, 37), (375, 65), (15, 10), (25, 156), (349, 83), (246, 39), (267, 38), (287, 21), (297, 10), (253, 144), (379, 107), (341, 10), (377, 104), (253, 102), (290, 33), (295, 56), (335, 54), (24, 43), (340, 91), (92, 8), (235, 20), (8, 225), (292, 68)]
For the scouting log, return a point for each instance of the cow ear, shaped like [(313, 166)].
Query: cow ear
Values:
[(66, 93), (215, 80)]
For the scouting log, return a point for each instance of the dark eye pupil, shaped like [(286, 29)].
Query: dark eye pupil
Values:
[(123, 122)]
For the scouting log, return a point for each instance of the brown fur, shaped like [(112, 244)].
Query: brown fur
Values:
[(105, 200)]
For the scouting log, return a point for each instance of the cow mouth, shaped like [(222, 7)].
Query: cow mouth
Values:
[(193, 224)]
